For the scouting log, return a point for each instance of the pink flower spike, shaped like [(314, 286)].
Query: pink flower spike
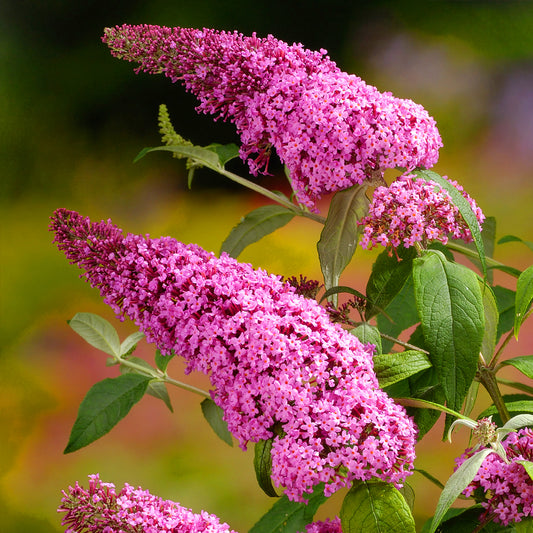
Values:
[(330, 128), (278, 366)]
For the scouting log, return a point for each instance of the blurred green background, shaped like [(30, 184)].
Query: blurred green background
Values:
[(72, 119)]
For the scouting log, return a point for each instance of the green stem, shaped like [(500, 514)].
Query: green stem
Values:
[(474, 255), (488, 380), (402, 343), (269, 194), (160, 376), (496, 356)]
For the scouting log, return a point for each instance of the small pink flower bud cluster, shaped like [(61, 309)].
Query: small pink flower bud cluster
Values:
[(414, 210), (507, 487), (330, 128), (101, 509), (279, 368)]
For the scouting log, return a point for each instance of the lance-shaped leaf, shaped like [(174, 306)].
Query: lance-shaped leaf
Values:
[(524, 364), (97, 331), (464, 208), (450, 306), (514, 238), (524, 296), (340, 234), (387, 279), (286, 516), (458, 482), (254, 226), (225, 152), (162, 361), (263, 466), (199, 155), (505, 299), (375, 507), (106, 403), (130, 343), (393, 367), (214, 416)]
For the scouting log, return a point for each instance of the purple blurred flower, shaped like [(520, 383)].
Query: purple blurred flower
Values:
[(506, 487), (330, 128), (326, 526), (278, 366), (100, 509), (413, 210)]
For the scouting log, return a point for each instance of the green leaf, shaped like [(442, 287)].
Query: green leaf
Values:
[(514, 238), (97, 331), (402, 314), (375, 507), (450, 306), (505, 299), (393, 367), (387, 279), (464, 208), (130, 343), (368, 334), (458, 482), (340, 234), (492, 317), (225, 152), (254, 226), (106, 403), (263, 466), (158, 390), (517, 422), (515, 403), (425, 404), (214, 416), (524, 526), (162, 361), (523, 363), (290, 517), (524, 296)]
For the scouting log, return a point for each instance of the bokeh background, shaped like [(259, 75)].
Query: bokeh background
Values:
[(72, 119)]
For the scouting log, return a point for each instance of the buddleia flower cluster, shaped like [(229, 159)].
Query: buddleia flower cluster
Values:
[(413, 210), (101, 509), (504, 486), (325, 526), (278, 367), (330, 128)]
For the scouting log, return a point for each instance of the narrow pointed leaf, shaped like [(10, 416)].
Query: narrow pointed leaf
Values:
[(387, 279), (198, 154), (286, 516), (505, 299), (518, 421), (130, 343), (464, 208), (97, 331), (254, 226), (368, 334), (458, 482), (514, 238), (393, 367), (523, 363), (106, 403), (375, 507), (263, 466), (450, 306), (214, 416), (524, 296), (340, 234), (158, 390)]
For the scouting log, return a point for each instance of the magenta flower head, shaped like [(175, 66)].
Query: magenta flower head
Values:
[(101, 509), (413, 210), (279, 368), (505, 487), (326, 526), (331, 129)]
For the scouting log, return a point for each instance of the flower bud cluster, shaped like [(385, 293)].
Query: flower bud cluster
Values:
[(279, 368), (330, 128)]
